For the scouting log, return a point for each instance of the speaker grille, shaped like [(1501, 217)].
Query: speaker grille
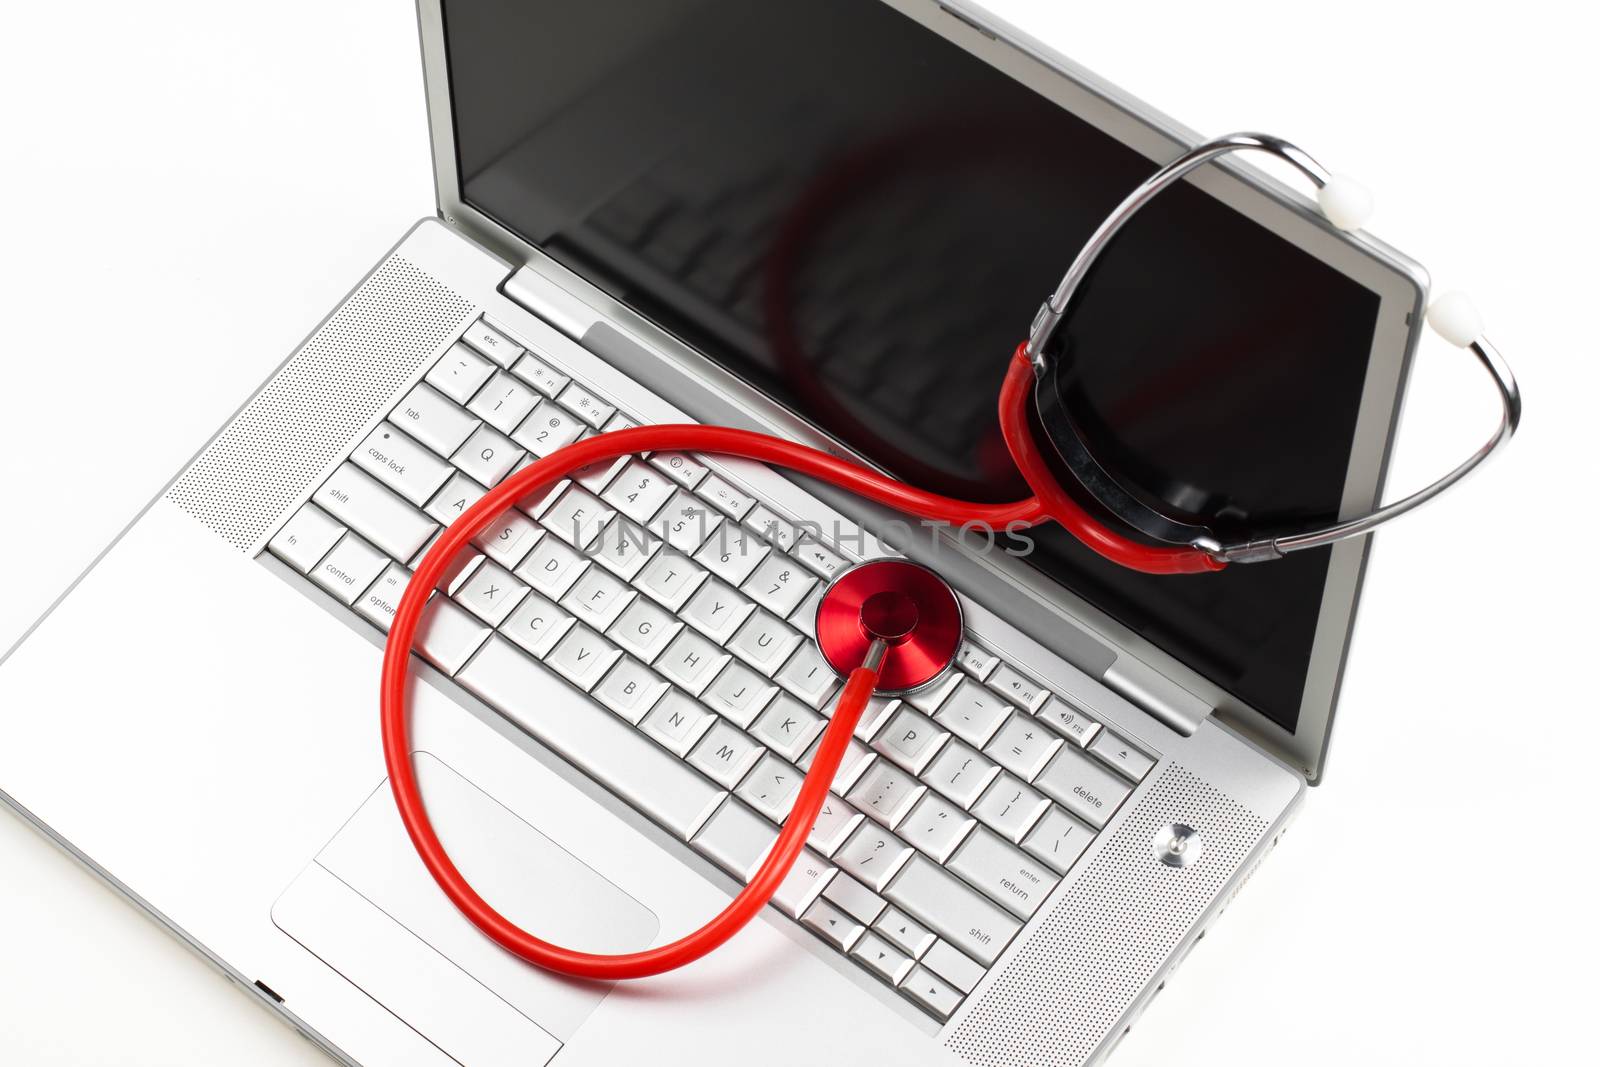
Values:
[(1076, 974), (306, 414)]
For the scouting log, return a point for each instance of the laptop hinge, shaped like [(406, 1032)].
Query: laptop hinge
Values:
[(1157, 694)]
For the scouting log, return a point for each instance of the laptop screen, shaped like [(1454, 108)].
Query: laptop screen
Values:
[(860, 219)]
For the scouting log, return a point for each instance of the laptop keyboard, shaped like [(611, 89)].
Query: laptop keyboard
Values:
[(683, 606)]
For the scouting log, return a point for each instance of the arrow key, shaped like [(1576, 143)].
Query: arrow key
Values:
[(832, 925), (901, 931), (882, 958), (931, 993)]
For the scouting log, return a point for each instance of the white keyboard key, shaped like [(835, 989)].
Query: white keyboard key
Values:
[(539, 499), (1119, 754), (504, 402), (930, 696), (872, 855), (639, 492), (509, 539), (680, 467), (953, 910), (806, 881), (832, 925), (725, 497), (597, 598), (885, 792), (1010, 807), (458, 494), (306, 538), (807, 675), (835, 822), (903, 932), (623, 548), (935, 826), (1015, 880), (764, 642), (459, 373), (490, 593), (716, 611), (540, 375), (804, 617), (597, 475), (577, 517), (433, 420), (677, 721), (547, 428), (770, 788), (788, 727), (772, 527), (972, 713), (1022, 746), (976, 661), (819, 557), (349, 568), (910, 739), (492, 343), (691, 661), (356, 499), (618, 421), (857, 758), (1018, 688), (551, 567), (487, 457), (1079, 728), (960, 773), (882, 958), (738, 693), (382, 598), (1084, 786), (854, 899), (879, 710), (931, 993), (643, 629), (594, 739), (1058, 839), (536, 625), (725, 755), (401, 464), (731, 553), (778, 584), (447, 636), (584, 404), (630, 689), (669, 579), (685, 521), (582, 657), (955, 966), (735, 839)]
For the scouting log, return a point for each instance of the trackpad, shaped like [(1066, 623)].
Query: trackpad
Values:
[(526, 876)]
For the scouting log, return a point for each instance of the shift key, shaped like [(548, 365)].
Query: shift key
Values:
[(960, 915), (356, 499)]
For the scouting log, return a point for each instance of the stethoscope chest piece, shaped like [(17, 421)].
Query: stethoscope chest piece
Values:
[(901, 604)]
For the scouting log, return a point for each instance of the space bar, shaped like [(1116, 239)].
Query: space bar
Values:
[(601, 744)]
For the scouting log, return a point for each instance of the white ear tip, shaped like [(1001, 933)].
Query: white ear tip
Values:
[(1453, 317), (1345, 202)]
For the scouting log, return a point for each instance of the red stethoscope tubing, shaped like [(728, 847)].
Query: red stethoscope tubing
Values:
[(1048, 502)]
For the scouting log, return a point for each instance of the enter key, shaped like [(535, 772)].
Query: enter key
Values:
[(1012, 878)]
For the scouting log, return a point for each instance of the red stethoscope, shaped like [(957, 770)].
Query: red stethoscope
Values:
[(888, 625)]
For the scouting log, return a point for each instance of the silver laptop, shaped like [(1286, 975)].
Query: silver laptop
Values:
[(832, 221)]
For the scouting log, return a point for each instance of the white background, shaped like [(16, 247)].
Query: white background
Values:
[(191, 186)]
